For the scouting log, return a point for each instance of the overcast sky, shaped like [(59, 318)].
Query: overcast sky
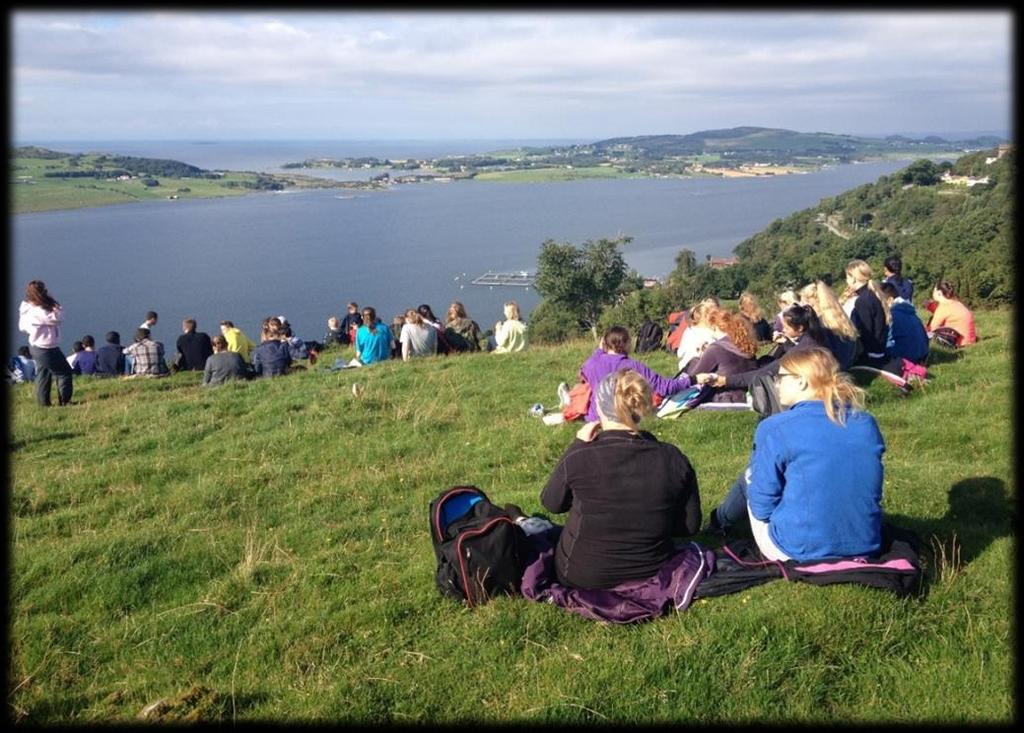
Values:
[(490, 75)]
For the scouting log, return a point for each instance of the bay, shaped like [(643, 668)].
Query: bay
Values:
[(305, 254)]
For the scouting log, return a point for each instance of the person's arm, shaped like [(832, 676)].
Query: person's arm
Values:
[(688, 517), (257, 362), (662, 385), (557, 496), (767, 473), (939, 317), (708, 362)]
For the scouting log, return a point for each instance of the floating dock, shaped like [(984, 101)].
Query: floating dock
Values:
[(521, 279)]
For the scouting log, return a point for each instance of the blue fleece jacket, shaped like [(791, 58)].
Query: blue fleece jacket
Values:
[(818, 484), (907, 337)]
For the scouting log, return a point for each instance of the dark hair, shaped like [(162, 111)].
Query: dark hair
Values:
[(151, 315), (804, 319), (23, 351), (219, 341), (88, 341), (424, 310), (141, 334), (36, 294), (76, 347), (946, 288), (616, 338), (229, 324), (890, 290), (371, 318), (113, 337), (894, 264), (190, 324)]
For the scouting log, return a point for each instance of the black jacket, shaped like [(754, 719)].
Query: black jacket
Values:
[(196, 349), (627, 495), (869, 320)]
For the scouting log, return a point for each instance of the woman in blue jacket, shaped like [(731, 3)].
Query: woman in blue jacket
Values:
[(813, 488)]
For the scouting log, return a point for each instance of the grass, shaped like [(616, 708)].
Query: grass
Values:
[(260, 551)]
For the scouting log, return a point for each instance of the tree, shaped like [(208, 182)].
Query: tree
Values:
[(581, 281), (922, 173)]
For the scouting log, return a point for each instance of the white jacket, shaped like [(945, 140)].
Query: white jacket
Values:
[(42, 327)]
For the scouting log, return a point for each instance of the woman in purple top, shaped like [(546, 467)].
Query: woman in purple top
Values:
[(613, 354)]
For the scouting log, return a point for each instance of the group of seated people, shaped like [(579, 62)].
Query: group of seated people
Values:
[(628, 494)]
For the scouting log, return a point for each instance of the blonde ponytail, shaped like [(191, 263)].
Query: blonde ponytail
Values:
[(832, 387), (633, 398)]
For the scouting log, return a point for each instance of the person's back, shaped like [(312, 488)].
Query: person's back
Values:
[(238, 341), (110, 357), (146, 354), (723, 358), (272, 358), (373, 344), (831, 505), (843, 349), (908, 338), (627, 495), (86, 361), (223, 366), (194, 346), (954, 314), (510, 336), (418, 338)]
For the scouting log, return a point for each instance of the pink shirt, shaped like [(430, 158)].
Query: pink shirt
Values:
[(42, 327), (954, 314)]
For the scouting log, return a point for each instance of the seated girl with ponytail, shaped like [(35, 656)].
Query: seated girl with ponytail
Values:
[(627, 494), (813, 488)]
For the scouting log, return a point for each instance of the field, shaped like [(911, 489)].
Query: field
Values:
[(260, 552), (36, 192)]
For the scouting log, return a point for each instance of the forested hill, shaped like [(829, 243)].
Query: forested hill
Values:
[(763, 143), (943, 230)]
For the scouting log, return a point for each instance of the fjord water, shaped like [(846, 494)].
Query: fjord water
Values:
[(304, 254)]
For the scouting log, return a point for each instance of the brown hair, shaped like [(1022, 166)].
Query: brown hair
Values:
[(632, 398), (36, 294), (737, 328), (228, 324), (456, 310), (821, 370), (219, 342), (413, 316), (946, 288), (512, 310), (370, 318), (750, 307), (190, 324), (271, 328), (616, 338)]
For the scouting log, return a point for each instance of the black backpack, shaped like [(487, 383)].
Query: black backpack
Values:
[(764, 397), (649, 337), (481, 551)]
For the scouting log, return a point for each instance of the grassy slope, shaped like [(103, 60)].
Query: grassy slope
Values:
[(260, 551)]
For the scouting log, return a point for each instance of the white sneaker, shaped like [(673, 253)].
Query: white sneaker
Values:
[(563, 394), (554, 418)]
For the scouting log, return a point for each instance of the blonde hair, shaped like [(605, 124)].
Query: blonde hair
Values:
[(456, 310), (737, 328), (702, 312), (861, 272), (512, 310), (413, 316), (787, 298), (633, 398), (830, 312), (750, 307), (834, 388)]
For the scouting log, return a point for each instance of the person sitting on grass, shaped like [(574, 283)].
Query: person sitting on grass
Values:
[(223, 365), (237, 340), (193, 347), (272, 358), (908, 338), (373, 339), (626, 492), (461, 331), (334, 334), (510, 334), (870, 315), (813, 487), (751, 310), (418, 337), (351, 322), (76, 349), (840, 333), (146, 354), (892, 268), (110, 357), (731, 353), (611, 355), (698, 333), (784, 299), (87, 358), (951, 313)]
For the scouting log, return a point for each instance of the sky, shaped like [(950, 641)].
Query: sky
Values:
[(148, 75)]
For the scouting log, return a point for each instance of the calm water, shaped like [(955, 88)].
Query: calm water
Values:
[(305, 254)]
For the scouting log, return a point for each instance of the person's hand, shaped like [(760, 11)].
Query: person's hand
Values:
[(704, 378), (779, 337), (715, 380), (589, 431)]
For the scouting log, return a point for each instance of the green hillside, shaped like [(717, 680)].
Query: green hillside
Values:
[(949, 231), (260, 552)]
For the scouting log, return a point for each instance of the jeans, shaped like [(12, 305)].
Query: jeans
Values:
[(50, 363), (734, 506)]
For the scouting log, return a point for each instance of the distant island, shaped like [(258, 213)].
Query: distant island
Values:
[(735, 152), (43, 179)]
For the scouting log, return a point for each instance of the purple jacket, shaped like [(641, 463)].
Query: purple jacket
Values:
[(671, 587), (601, 364)]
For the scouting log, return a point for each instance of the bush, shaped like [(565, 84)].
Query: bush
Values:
[(637, 307), (551, 324)]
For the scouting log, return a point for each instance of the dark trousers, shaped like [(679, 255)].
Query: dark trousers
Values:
[(50, 363)]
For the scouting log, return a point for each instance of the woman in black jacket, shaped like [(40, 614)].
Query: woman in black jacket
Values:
[(627, 493), (870, 315)]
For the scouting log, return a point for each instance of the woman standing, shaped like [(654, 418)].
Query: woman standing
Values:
[(40, 316), (627, 494), (813, 488)]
